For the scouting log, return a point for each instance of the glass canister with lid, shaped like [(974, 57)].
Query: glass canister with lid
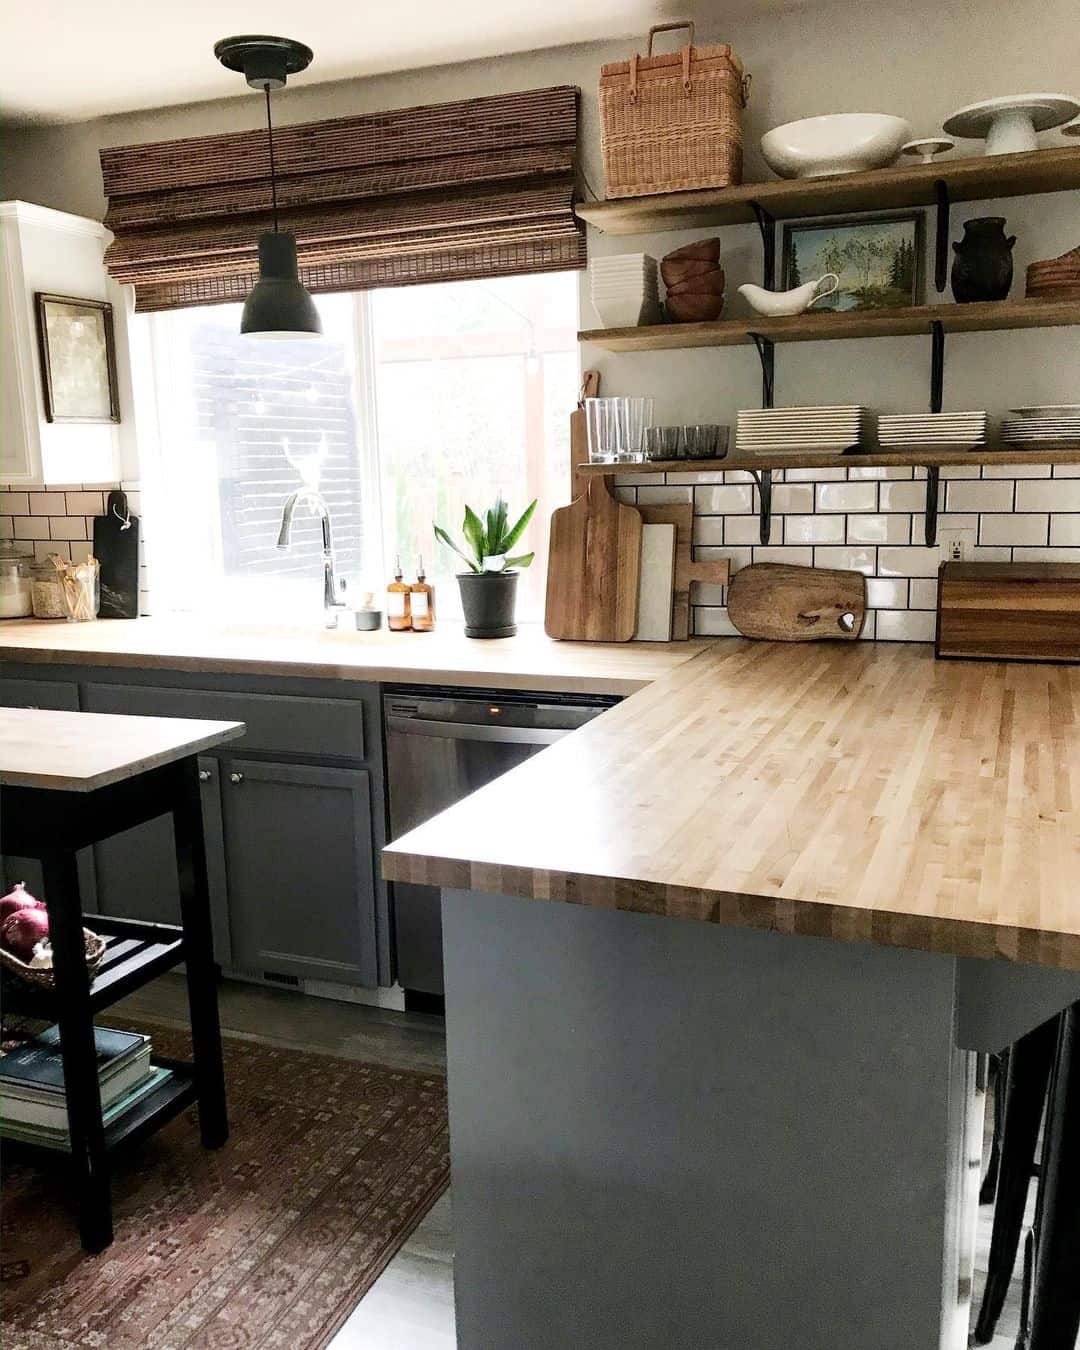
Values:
[(15, 592), (47, 590)]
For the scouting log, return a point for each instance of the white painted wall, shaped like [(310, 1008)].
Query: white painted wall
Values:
[(919, 60)]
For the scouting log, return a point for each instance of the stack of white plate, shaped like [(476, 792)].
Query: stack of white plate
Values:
[(1043, 428), (625, 291), (932, 431), (779, 431)]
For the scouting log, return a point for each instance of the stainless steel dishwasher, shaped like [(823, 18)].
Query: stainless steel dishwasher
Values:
[(442, 744)]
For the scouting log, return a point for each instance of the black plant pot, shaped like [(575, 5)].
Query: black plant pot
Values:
[(488, 600), (983, 266)]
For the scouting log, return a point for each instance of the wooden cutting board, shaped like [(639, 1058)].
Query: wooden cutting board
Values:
[(594, 551), (594, 565), (681, 515), (797, 604)]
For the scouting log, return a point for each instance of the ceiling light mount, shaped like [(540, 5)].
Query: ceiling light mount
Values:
[(265, 62)]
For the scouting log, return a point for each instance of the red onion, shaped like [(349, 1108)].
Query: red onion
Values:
[(23, 930), (17, 898)]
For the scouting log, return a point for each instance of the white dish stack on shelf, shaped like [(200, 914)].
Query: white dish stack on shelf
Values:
[(1044, 428), (625, 289), (932, 431), (792, 431)]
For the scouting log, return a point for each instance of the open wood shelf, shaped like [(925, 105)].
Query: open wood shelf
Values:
[(925, 459), (135, 952), (827, 325), (972, 179)]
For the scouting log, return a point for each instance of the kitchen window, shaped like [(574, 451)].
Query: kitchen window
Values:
[(414, 401)]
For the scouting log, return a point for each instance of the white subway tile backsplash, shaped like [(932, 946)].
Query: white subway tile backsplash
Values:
[(882, 594), (710, 529), (1048, 495), (792, 498), (625, 494), (1016, 470), (847, 497), (907, 562), (32, 527), (880, 473), (797, 557), (711, 621), (1069, 555), (720, 501), (1015, 529), (47, 504), (742, 530), (879, 529), (706, 593), (905, 625), (922, 594), (982, 496), (14, 504), (1065, 530), (815, 475), (856, 559), (664, 496), (909, 496), (813, 529)]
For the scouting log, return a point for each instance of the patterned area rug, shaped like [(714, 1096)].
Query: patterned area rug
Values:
[(266, 1244)]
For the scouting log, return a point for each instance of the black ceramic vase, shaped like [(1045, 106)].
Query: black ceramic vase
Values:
[(983, 266), (488, 600)]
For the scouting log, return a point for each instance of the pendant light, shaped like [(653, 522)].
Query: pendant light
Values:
[(278, 306)]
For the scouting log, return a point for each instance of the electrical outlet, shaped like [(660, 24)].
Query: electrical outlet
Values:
[(956, 545)]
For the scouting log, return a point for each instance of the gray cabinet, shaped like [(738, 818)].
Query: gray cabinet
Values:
[(136, 869), (300, 856)]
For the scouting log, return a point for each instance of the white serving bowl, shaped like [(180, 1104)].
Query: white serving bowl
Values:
[(835, 143)]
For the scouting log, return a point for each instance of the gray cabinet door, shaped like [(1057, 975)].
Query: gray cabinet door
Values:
[(58, 696), (136, 869), (301, 871)]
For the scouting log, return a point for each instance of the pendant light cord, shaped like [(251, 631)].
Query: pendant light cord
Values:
[(270, 141)]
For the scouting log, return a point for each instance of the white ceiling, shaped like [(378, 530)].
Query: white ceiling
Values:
[(95, 57)]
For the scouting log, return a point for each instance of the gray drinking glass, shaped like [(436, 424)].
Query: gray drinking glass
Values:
[(661, 443), (699, 442)]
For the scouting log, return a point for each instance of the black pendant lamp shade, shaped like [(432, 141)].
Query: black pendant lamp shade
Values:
[(278, 306)]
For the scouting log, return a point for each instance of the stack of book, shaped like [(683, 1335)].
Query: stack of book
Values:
[(33, 1104)]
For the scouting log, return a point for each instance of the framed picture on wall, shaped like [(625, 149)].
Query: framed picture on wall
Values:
[(78, 359), (878, 258)]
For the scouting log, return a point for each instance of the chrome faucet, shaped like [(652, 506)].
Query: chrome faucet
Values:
[(332, 588)]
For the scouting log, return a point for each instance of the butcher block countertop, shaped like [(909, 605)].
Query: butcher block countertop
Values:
[(861, 792), (447, 656), (78, 752)]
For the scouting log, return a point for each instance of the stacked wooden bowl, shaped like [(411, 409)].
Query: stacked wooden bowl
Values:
[(695, 282), (1056, 278)]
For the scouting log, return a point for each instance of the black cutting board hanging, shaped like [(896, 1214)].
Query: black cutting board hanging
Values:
[(116, 547)]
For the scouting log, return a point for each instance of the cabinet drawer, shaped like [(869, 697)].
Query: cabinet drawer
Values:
[(283, 724), (53, 694)]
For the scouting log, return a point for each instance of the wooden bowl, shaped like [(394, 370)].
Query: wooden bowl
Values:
[(694, 308), (708, 283), (674, 273), (702, 250)]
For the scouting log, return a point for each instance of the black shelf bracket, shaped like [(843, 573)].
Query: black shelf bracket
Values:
[(766, 223), (766, 350), (937, 387), (941, 235), (763, 478)]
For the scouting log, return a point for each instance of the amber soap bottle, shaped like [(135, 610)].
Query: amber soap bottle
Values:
[(398, 608), (422, 601)]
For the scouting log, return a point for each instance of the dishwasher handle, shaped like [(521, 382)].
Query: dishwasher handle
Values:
[(470, 731)]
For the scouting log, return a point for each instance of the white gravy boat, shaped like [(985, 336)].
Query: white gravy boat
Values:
[(775, 303)]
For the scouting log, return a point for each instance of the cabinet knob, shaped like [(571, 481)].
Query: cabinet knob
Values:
[(205, 775), (236, 778)]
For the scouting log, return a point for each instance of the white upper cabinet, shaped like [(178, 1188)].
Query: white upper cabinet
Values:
[(48, 251)]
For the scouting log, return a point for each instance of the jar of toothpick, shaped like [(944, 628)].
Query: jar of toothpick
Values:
[(80, 587)]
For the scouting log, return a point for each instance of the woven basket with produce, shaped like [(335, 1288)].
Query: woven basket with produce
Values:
[(25, 949)]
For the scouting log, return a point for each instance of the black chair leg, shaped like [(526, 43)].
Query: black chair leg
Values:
[(1030, 1060), (1055, 1310), (88, 1157), (989, 1181)]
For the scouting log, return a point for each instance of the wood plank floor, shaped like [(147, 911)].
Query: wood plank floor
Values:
[(411, 1305)]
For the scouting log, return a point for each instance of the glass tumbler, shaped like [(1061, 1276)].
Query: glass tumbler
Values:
[(699, 442), (602, 421), (661, 443), (635, 414)]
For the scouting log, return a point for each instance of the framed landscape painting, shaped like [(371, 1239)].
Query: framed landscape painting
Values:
[(78, 359), (877, 258)]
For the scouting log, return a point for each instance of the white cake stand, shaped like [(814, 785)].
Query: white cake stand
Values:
[(1010, 124), (927, 148)]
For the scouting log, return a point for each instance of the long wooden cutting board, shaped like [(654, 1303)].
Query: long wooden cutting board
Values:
[(594, 565), (797, 604)]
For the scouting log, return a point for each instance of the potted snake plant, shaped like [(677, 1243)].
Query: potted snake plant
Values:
[(489, 587)]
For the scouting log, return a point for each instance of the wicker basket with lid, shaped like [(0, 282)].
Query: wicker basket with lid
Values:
[(671, 123)]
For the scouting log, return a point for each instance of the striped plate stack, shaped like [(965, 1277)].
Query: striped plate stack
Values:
[(1043, 428), (795, 431), (932, 431), (1056, 278)]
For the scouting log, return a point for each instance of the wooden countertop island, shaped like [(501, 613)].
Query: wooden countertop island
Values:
[(864, 792), (759, 1126), (447, 656)]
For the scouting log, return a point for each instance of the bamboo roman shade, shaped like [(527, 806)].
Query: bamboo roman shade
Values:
[(479, 188)]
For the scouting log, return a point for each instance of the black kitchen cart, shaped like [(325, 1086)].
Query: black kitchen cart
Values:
[(69, 780)]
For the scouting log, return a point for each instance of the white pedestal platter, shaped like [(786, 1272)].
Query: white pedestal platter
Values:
[(1010, 124)]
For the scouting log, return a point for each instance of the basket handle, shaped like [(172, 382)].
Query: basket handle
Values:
[(670, 28)]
